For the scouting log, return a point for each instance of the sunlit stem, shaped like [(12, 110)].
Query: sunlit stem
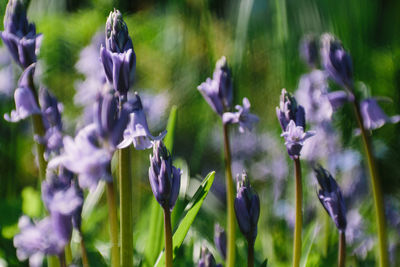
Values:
[(376, 189), (168, 237), (342, 249), (113, 220), (299, 215), (250, 253), (230, 259)]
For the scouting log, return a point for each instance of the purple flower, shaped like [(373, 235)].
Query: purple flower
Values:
[(36, 240), (309, 50), (220, 240), (25, 102), (373, 116), (336, 61), (164, 178), (243, 117), (137, 131), (294, 138), (85, 157), (338, 98), (247, 208), (218, 91), (51, 108), (288, 110), (19, 36), (207, 259), (118, 57), (331, 198)]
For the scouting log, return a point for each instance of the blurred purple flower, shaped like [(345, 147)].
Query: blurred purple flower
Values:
[(288, 110), (338, 98), (19, 36), (243, 117), (309, 50), (207, 259), (137, 131), (51, 109), (218, 91), (294, 138), (373, 116), (7, 74), (336, 61), (220, 240), (164, 178)]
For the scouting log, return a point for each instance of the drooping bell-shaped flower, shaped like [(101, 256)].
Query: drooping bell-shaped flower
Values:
[(336, 61), (294, 138), (118, 57), (137, 132), (165, 179), (25, 102), (218, 91), (373, 115), (19, 36), (242, 116), (309, 50), (207, 259), (220, 240), (331, 198), (247, 208), (288, 110)]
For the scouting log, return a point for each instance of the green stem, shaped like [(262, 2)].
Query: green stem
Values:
[(342, 249), (299, 215), (52, 261), (68, 253), (230, 259), (85, 261), (250, 253), (168, 237), (126, 217), (113, 220), (376, 190)]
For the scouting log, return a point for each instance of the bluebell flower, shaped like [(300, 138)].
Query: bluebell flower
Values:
[(218, 91), (309, 50), (51, 109), (373, 116), (294, 138), (207, 259), (243, 117), (288, 110), (247, 208), (220, 240), (164, 178), (331, 198), (85, 157), (336, 61), (339, 98), (118, 57), (19, 36), (137, 132), (25, 102)]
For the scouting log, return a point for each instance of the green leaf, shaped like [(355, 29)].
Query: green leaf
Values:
[(191, 211), (31, 202), (155, 241)]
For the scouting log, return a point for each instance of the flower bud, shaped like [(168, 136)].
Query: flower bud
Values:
[(247, 208), (309, 50), (331, 198), (207, 259), (220, 240), (164, 178), (289, 110), (117, 36)]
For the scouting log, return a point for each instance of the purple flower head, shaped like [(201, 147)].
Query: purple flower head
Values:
[(336, 61), (294, 138), (85, 157), (19, 36), (137, 131), (118, 57), (37, 239), (247, 208), (25, 102), (288, 110), (373, 116), (331, 198), (243, 117), (165, 179), (309, 50), (218, 91), (207, 259), (110, 121), (220, 240)]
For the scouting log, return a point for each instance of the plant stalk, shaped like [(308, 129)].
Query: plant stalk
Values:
[(168, 237), (38, 130), (299, 215), (230, 258), (68, 253), (113, 220), (126, 216), (342, 249), (376, 190), (85, 261), (61, 258), (250, 253)]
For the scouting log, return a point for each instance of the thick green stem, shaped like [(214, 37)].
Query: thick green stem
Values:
[(113, 220), (299, 215), (168, 237), (85, 261), (342, 249), (376, 190), (250, 253), (230, 259), (126, 217)]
